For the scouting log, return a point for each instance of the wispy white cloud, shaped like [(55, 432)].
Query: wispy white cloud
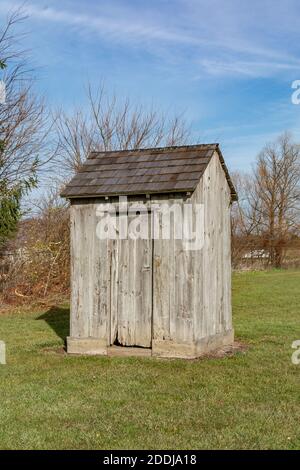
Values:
[(248, 68), (189, 40), (118, 28), (214, 39)]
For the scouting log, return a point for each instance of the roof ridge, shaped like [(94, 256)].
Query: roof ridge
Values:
[(158, 149)]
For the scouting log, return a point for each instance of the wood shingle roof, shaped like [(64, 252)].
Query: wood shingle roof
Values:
[(143, 171)]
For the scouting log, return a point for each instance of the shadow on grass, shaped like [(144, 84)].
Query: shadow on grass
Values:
[(58, 319)]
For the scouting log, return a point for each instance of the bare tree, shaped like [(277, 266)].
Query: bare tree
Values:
[(113, 123), (245, 235), (239, 221), (273, 197), (24, 128), (24, 122)]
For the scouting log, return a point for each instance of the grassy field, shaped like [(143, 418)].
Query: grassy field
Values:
[(248, 401)]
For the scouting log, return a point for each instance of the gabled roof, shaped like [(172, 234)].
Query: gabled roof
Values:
[(144, 171)]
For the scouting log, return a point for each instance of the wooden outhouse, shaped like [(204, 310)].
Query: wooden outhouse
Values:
[(150, 252)]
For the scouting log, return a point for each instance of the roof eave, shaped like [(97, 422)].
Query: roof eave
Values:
[(139, 193), (234, 196)]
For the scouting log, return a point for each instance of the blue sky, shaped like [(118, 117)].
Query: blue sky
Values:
[(228, 65)]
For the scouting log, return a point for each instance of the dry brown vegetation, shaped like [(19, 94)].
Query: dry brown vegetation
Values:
[(35, 264)]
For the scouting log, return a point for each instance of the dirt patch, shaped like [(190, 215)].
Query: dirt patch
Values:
[(227, 351), (58, 351)]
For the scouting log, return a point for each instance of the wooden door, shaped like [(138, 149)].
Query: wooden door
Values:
[(131, 292)]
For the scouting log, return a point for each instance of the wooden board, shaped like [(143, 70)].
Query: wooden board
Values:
[(131, 287), (173, 288)]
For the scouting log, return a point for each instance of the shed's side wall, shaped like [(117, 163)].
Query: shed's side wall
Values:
[(215, 288), (192, 288)]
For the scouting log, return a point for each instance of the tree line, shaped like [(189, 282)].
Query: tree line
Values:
[(267, 217), (42, 146)]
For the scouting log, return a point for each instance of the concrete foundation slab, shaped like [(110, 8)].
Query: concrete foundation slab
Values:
[(191, 351), (86, 346), (168, 349)]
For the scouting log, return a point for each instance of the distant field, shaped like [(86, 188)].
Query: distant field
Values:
[(248, 401)]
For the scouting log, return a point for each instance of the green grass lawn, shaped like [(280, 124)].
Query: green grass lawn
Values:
[(248, 401)]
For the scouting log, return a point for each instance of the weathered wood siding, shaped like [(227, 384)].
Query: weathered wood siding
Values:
[(131, 292), (173, 288), (90, 275), (136, 291), (213, 191), (111, 283), (192, 289)]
